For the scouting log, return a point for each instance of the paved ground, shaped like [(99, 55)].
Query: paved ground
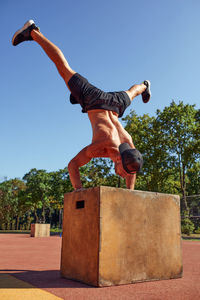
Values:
[(31, 266)]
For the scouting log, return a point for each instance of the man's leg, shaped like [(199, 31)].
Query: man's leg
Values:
[(55, 54), (31, 32), (138, 89)]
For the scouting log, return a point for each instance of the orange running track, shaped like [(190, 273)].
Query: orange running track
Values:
[(36, 261)]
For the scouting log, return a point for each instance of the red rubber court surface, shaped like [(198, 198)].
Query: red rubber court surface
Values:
[(37, 261)]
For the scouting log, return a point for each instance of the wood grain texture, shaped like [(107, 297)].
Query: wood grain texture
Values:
[(121, 236)]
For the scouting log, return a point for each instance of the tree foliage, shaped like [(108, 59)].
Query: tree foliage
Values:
[(181, 128), (170, 143), (11, 201)]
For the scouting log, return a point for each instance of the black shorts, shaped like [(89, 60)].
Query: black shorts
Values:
[(90, 97)]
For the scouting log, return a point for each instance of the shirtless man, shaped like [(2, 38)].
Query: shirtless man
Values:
[(110, 139)]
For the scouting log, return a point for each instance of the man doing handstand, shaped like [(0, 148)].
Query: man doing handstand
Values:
[(109, 139)]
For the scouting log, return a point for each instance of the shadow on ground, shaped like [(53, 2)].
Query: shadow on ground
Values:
[(43, 279)]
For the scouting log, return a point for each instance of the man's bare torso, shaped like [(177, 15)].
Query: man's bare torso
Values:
[(108, 134)]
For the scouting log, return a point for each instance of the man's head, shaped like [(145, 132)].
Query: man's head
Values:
[(132, 160)]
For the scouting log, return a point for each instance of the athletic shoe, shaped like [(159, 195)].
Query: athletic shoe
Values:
[(24, 34), (146, 95)]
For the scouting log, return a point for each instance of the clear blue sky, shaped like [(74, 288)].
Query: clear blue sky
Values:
[(114, 43)]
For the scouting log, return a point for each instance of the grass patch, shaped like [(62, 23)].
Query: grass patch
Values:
[(58, 230), (16, 231), (53, 231), (191, 237)]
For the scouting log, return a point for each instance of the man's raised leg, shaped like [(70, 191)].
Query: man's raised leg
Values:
[(31, 32), (140, 89), (55, 54)]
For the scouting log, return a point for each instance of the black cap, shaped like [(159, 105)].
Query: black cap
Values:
[(132, 160)]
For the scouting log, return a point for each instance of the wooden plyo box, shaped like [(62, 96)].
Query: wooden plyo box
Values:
[(40, 230), (115, 236)]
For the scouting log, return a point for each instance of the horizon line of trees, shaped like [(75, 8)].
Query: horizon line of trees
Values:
[(169, 142)]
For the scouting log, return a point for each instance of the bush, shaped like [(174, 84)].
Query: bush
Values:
[(3, 226), (13, 223), (197, 231), (187, 226)]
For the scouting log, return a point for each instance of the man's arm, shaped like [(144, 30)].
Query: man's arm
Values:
[(130, 181), (81, 159)]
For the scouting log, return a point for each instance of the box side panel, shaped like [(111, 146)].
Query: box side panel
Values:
[(40, 230), (80, 240), (32, 230), (140, 237)]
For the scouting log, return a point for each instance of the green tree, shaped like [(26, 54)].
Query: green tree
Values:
[(170, 144), (193, 182), (146, 135), (180, 128), (10, 204), (38, 190), (7, 204), (99, 171), (60, 184)]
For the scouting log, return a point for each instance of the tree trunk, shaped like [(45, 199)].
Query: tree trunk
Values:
[(60, 217), (17, 225), (36, 216), (50, 215), (28, 224), (43, 214), (119, 182), (183, 187), (184, 205)]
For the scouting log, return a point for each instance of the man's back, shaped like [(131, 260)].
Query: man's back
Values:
[(107, 131)]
